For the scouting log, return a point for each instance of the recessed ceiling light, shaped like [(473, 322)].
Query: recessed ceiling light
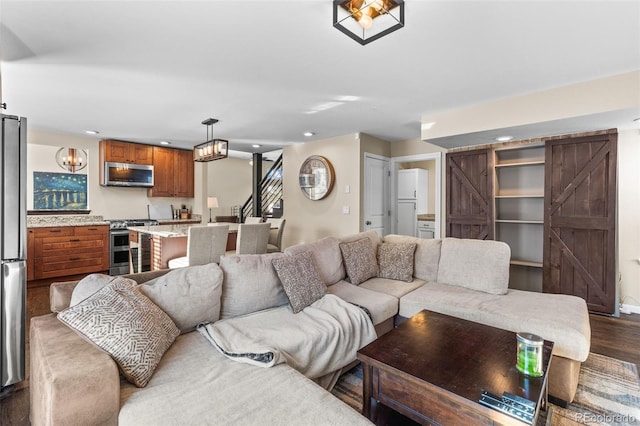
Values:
[(165, 143), (427, 126), (255, 145), (504, 138), (309, 134), (91, 132)]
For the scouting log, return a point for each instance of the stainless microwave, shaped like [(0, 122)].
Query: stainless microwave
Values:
[(125, 174)]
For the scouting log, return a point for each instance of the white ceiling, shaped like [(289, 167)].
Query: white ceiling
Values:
[(149, 71)]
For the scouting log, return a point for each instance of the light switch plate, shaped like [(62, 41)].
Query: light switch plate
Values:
[(345, 209)]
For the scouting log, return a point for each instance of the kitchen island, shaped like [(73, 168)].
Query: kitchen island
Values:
[(151, 247)]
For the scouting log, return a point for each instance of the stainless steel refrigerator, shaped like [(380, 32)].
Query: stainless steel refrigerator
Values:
[(13, 249)]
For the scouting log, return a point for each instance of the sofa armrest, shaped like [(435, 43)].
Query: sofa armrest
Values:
[(71, 381), (60, 295)]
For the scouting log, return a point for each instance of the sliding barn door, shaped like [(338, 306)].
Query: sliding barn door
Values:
[(579, 224), (470, 194)]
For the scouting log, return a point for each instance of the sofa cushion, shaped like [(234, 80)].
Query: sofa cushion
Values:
[(189, 295), (328, 258), (560, 318), (381, 306), (88, 286), (426, 257), (250, 284), (122, 321), (480, 265), (300, 279), (359, 260), (395, 261), (393, 288), (197, 385)]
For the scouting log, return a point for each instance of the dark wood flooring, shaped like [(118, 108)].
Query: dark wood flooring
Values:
[(613, 337)]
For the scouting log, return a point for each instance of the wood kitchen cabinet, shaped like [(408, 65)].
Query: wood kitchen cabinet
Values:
[(125, 152), (67, 250), (173, 173)]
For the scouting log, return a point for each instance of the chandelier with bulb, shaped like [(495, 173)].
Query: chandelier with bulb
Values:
[(212, 149), (367, 20)]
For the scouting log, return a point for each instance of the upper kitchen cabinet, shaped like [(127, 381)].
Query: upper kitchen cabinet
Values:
[(412, 184), (125, 152), (173, 173)]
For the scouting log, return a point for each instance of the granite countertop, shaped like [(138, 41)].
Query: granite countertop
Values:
[(42, 221), (168, 231), (428, 217), (179, 229), (170, 221)]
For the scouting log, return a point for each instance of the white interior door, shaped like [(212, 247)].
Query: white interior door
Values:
[(376, 194)]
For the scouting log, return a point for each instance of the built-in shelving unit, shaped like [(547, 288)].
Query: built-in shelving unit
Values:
[(519, 211)]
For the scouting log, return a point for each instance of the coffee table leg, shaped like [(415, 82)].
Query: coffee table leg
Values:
[(367, 388)]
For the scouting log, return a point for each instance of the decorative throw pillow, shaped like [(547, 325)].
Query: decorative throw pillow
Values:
[(88, 286), (300, 279), (359, 260), (123, 322), (189, 296), (251, 284), (396, 261)]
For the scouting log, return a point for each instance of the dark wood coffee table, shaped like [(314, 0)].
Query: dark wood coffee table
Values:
[(433, 369)]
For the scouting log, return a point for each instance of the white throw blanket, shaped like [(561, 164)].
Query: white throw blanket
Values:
[(321, 339)]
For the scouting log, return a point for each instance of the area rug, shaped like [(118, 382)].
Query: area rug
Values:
[(608, 394)]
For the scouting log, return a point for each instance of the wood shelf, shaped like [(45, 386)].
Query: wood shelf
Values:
[(524, 163), (526, 263), (521, 196)]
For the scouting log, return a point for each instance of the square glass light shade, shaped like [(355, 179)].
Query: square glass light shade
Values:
[(214, 149), (367, 20)]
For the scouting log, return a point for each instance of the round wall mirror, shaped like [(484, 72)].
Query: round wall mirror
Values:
[(316, 177)]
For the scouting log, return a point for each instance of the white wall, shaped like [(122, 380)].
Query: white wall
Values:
[(311, 220), (109, 202), (628, 216), (228, 179)]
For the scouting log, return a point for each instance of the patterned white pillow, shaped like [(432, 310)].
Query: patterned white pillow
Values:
[(123, 322), (300, 279), (396, 261), (359, 260)]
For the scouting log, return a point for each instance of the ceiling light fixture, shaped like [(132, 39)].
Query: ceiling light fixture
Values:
[(308, 134), (212, 149), (355, 18), (255, 145), (165, 143), (71, 159), (91, 132), (504, 138)]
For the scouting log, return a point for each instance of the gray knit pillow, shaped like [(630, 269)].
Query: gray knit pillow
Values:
[(359, 260), (300, 279), (123, 322), (396, 261)]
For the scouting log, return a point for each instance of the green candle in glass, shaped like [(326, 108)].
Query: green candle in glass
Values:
[(529, 354)]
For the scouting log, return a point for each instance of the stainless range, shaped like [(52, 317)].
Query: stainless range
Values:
[(119, 243)]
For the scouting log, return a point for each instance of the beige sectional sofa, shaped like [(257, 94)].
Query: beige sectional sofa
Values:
[(74, 382), (467, 279)]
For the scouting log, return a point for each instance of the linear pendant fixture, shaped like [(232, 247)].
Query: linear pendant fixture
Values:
[(367, 20), (212, 149)]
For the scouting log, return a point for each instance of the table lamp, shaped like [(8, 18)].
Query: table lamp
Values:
[(212, 202)]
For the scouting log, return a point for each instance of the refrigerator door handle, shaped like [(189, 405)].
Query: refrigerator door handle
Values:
[(12, 322)]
